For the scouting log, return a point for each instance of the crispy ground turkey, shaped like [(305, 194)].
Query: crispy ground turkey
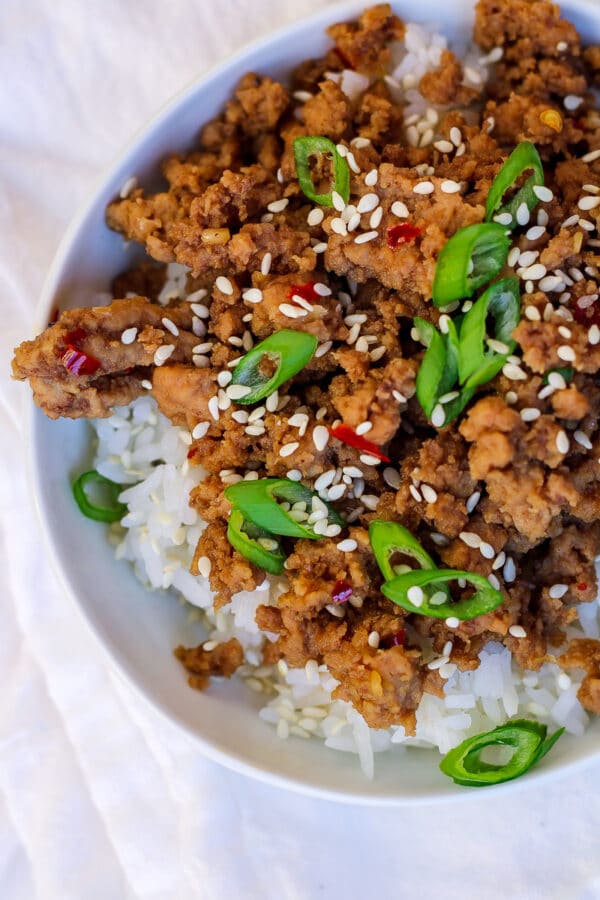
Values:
[(511, 488)]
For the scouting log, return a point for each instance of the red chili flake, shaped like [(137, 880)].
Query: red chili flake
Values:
[(79, 363), (404, 233), (306, 291), (342, 591), (347, 435), (582, 586), (399, 638), (588, 316), (192, 452), (73, 337)]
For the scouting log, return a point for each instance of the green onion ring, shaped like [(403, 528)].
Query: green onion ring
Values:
[(485, 599), (258, 501), (244, 536), (288, 351), (112, 513), (523, 158), (502, 300), (304, 148), (527, 739), (470, 258)]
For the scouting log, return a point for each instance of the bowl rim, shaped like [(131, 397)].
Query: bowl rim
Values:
[(235, 761)]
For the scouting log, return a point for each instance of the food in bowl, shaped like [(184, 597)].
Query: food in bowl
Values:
[(354, 389)]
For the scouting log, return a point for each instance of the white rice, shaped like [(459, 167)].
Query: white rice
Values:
[(137, 445)]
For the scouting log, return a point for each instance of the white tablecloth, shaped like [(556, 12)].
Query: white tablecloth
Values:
[(98, 797)]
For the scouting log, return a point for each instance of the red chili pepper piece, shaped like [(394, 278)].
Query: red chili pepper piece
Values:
[(79, 363), (73, 337), (192, 452), (346, 435), (342, 591), (399, 638), (582, 586), (404, 233), (306, 291)]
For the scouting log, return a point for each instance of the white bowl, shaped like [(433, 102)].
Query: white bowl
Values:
[(137, 628)]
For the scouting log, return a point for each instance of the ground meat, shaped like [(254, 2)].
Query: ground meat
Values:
[(229, 571), (445, 85), (258, 105), (362, 45), (222, 660)]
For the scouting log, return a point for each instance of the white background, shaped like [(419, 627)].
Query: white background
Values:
[(98, 798)]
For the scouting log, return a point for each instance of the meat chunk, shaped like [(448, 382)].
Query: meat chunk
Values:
[(201, 664), (82, 367), (362, 44), (230, 572)]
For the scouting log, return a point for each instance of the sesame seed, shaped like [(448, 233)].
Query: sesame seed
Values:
[(572, 102), (497, 346), (129, 186), (278, 206), (399, 397), (423, 187), (365, 237), (351, 160), (392, 477), (572, 220), (583, 439), (591, 157), (201, 362), (429, 494), (252, 295), (259, 412), (377, 353), (566, 353), (338, 226), (204, 566), (399, 209), (444, 146), (562, 442), (371, 178), (240, 415), (347, 546), (315, 216), (530, 414), (373, 639), (543, 193), (437, 598), (517, 631), (563, 681), (294, 475), (456, 136), (415, 493), (533, 273), (513, 373), (367, 203), (202, 348), (557, 591), (200, 430), (300, 301), (449, 186), (551, 283), (223, 378), (200, 310), (376, 217), (363, 428), (528, 257), (522, 215), (255, 430), (486, 550), (535, 232), (504, 219), (511, 398), (288, 449), (557, 381), (129, 336), (452, 622), (449, 397), (320, 436), (147, 385), (594, 335), (224, 285), (473, 501), (514, 255), (338, 201), (471, 539), (265, 266), (162, 354), (369, 460), (323, 348), (438, 416), (415, 595), (499, 561), (587, 203), (321, 247), (292, 312), (493, 581), (238, 391), (213, 407)]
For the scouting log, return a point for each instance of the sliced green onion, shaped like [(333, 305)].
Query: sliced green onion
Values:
[(304, 148), (388, 538), (260, 502), (524, 158), (272, 362), (438, 372), (526, 739), (255, 544), (472, 257), (502, 301), (484, 600), (112, 512)]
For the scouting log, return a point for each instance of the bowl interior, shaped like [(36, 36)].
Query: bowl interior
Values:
[(139, 628)]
